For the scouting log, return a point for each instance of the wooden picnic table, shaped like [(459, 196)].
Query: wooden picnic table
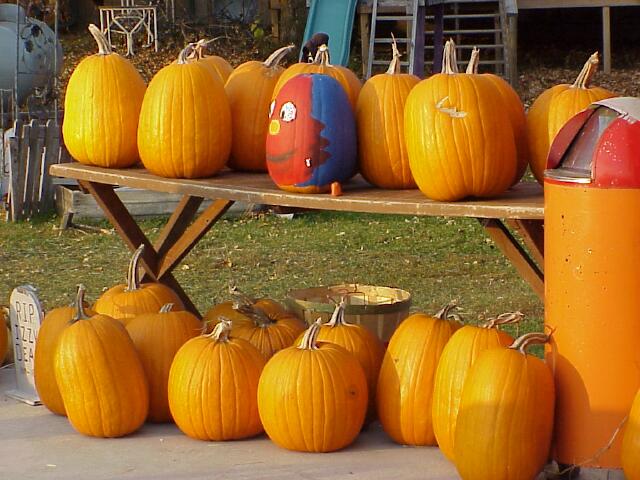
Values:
[(521, 208)]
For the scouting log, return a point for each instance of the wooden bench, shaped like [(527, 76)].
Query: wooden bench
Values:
[(521, 208)]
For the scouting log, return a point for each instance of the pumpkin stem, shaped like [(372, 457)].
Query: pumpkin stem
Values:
[(446, 312), (133, 282), (522, 343), (394, 66), (503, 319), (474, 61), (79, 304), (310, 336), (337, 317), (276, 57), (449, 60), (166, 308), (221, 330), (103, 44), (256, 314), (587, 72), (188, 54), (322, 56), (240, 297)]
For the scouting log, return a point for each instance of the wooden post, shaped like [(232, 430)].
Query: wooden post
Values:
[(606, 38), (438, 36), (418, 44), (512, 50), (364, 40)]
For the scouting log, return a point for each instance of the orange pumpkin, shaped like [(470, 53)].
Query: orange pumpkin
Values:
[(384, 161), (631, 442), (249, 89), (157, 337), (312, 397), (125, 301), (101, 108), (321, 64), (515, 109), (506, 414), (405, 385), (185, 122), (458, 356), (459, 135), (213, 386), (54, 323), (554, 107)]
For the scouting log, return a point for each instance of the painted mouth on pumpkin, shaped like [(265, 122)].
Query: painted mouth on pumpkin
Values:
[(281, 157)]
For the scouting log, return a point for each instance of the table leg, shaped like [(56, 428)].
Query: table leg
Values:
[(532, 233), (176, 239), (517, 255)]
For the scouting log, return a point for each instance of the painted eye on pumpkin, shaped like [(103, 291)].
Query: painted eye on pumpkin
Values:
[(288, 112), (272, 108)]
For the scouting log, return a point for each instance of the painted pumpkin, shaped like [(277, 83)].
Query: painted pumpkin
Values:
[(515, 109), (554, 107), (125, 301), (250, 90), (384, 161), (405, 385), (312, 135), (53, 324), (321, 64), (459, 135), (185, 122), (213, 385), (506, 414), (101, 108), (100, 377), (312, 397), (631, 442), (459, 354), (157, 337)]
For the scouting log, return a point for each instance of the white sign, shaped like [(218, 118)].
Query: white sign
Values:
[(25, 315)]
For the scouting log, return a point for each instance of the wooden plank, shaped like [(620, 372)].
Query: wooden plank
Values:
[(438, 37), (133, 236), (15, 201), (364, 41), (529, 4), (179, 249), (177, 223), (51, 157), (606, 39), (512, 50), (525, 200), (532, 233), (518, 257), (19, 165), (33, 142), (418, 54)]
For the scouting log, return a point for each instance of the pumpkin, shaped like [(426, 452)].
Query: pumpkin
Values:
[(380, 119), (213, 386), (4, 335), (185, 122), (405, 385), (554, 107), (267, 332), (631, 442), (220, 68), (321, 64), (312, 397), (458, 356), (506, 414), (249, 89), (101, 108), (515, 109), (459, 136), (360, 342), (100, 377), (157, 337), (54, 322), (312, 139), (269, 307), (125, 301)]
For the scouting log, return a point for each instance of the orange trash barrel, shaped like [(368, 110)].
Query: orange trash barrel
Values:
[(592, 278)]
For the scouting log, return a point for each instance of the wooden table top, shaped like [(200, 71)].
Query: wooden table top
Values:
[(524, 201)]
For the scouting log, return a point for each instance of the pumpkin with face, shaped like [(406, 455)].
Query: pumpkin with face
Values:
[(312, 140)]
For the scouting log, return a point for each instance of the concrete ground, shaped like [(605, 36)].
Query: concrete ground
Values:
[(35, 444)]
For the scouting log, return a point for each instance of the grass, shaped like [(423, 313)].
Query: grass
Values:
[(436, 259)]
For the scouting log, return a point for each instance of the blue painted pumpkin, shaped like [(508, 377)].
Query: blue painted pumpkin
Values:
[(312, 140)]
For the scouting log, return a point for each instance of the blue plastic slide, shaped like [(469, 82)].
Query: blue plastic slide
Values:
[(335, 18)]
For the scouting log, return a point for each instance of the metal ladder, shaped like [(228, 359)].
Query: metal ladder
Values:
[(474, 24), (410, 16)]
